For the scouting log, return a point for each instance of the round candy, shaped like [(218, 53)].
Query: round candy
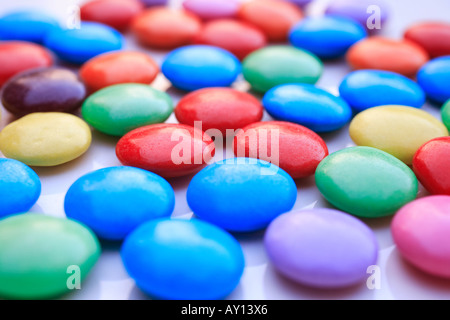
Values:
[(115, 13), (307, 105), (219, 108), (114, 201), (239, 38), (445, 111), (79, 45), (241, 194), (183, 260), (366, 182), (169, 150), (419, 230), (434, 37), (321, 248), (295, 149), (397, 130), (45, 139), (364, 89), (212, 9), (118, 109), (366, 12), (400, 56), (17, 56), (43, 256), (275, 18), (276, 65), (29, 25), (300, 3), (20, 187), (43, 90), (429, 165), (199, 66), (327, 37), (166, 28), (434, 77), (151, 3)]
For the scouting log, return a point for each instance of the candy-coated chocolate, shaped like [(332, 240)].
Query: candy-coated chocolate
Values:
[(40, 253), (183, 260), (445, 112), (366, 182), (321, 248), (152, 3), (238, 37), (298, 149), (307, 105), (200, 66), (300, 3), (20, 187), (212, 9), (116, 110), (430, 163), (18, 56), (45, 139), (169, 150), (400, 56), (434, 78), (241, 194), (272, 66), (420, 230), (359, 11), (115, 13), (397, 130), (43, 90), (434, 37), (166, 28), (275, 18), (364, 89), (327, 37), (219, 108), (79, 45)]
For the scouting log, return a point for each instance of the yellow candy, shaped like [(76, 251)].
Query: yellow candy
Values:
[(45, 139), (397, 130)]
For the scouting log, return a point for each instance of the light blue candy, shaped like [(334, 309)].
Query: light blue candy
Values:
[(199, 66), (434, 78), (183, 260), (79, 45), (114, 201), (307, 105), (327, 36), (241, 194), (20, 187), (365, 89)]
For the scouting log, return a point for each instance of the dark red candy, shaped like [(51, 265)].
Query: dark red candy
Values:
[(169, 150), (434, 37), (43, 90), (431, 164)]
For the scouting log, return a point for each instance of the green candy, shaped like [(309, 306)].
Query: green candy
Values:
[(446, 114), (366, 182), (39, 256), (277, 65), (118, 109)]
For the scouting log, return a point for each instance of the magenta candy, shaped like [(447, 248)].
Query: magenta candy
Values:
[(212, 9)]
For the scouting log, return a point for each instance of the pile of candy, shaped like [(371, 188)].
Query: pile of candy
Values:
[(213, 43)]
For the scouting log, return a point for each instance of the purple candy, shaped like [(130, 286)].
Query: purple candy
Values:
[(212, 9), (322, 248), (300, 3), (151, 3)]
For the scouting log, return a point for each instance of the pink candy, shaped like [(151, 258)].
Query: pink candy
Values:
[(212, 9)]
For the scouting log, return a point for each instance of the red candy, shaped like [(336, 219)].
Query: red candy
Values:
[(219, 108), (18, 56), (169, 150), (434, 37), (118, 67), (431, 165), (115, 13), (237, 37), (300, 149)]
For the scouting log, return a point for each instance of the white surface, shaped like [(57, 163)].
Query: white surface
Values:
[(109, 280)]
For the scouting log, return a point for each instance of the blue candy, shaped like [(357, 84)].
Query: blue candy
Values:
[(307, 105), (241, 194), (79, 45), (434, 78), (114, 201), (195, 67), (328, 36), (30, 26), (183, 260), (20, 187), (365, 89)]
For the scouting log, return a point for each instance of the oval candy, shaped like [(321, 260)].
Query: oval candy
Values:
[(212, 9), (300, 3), (434, 37), (434, 77), (152, 3), (445, 112)]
